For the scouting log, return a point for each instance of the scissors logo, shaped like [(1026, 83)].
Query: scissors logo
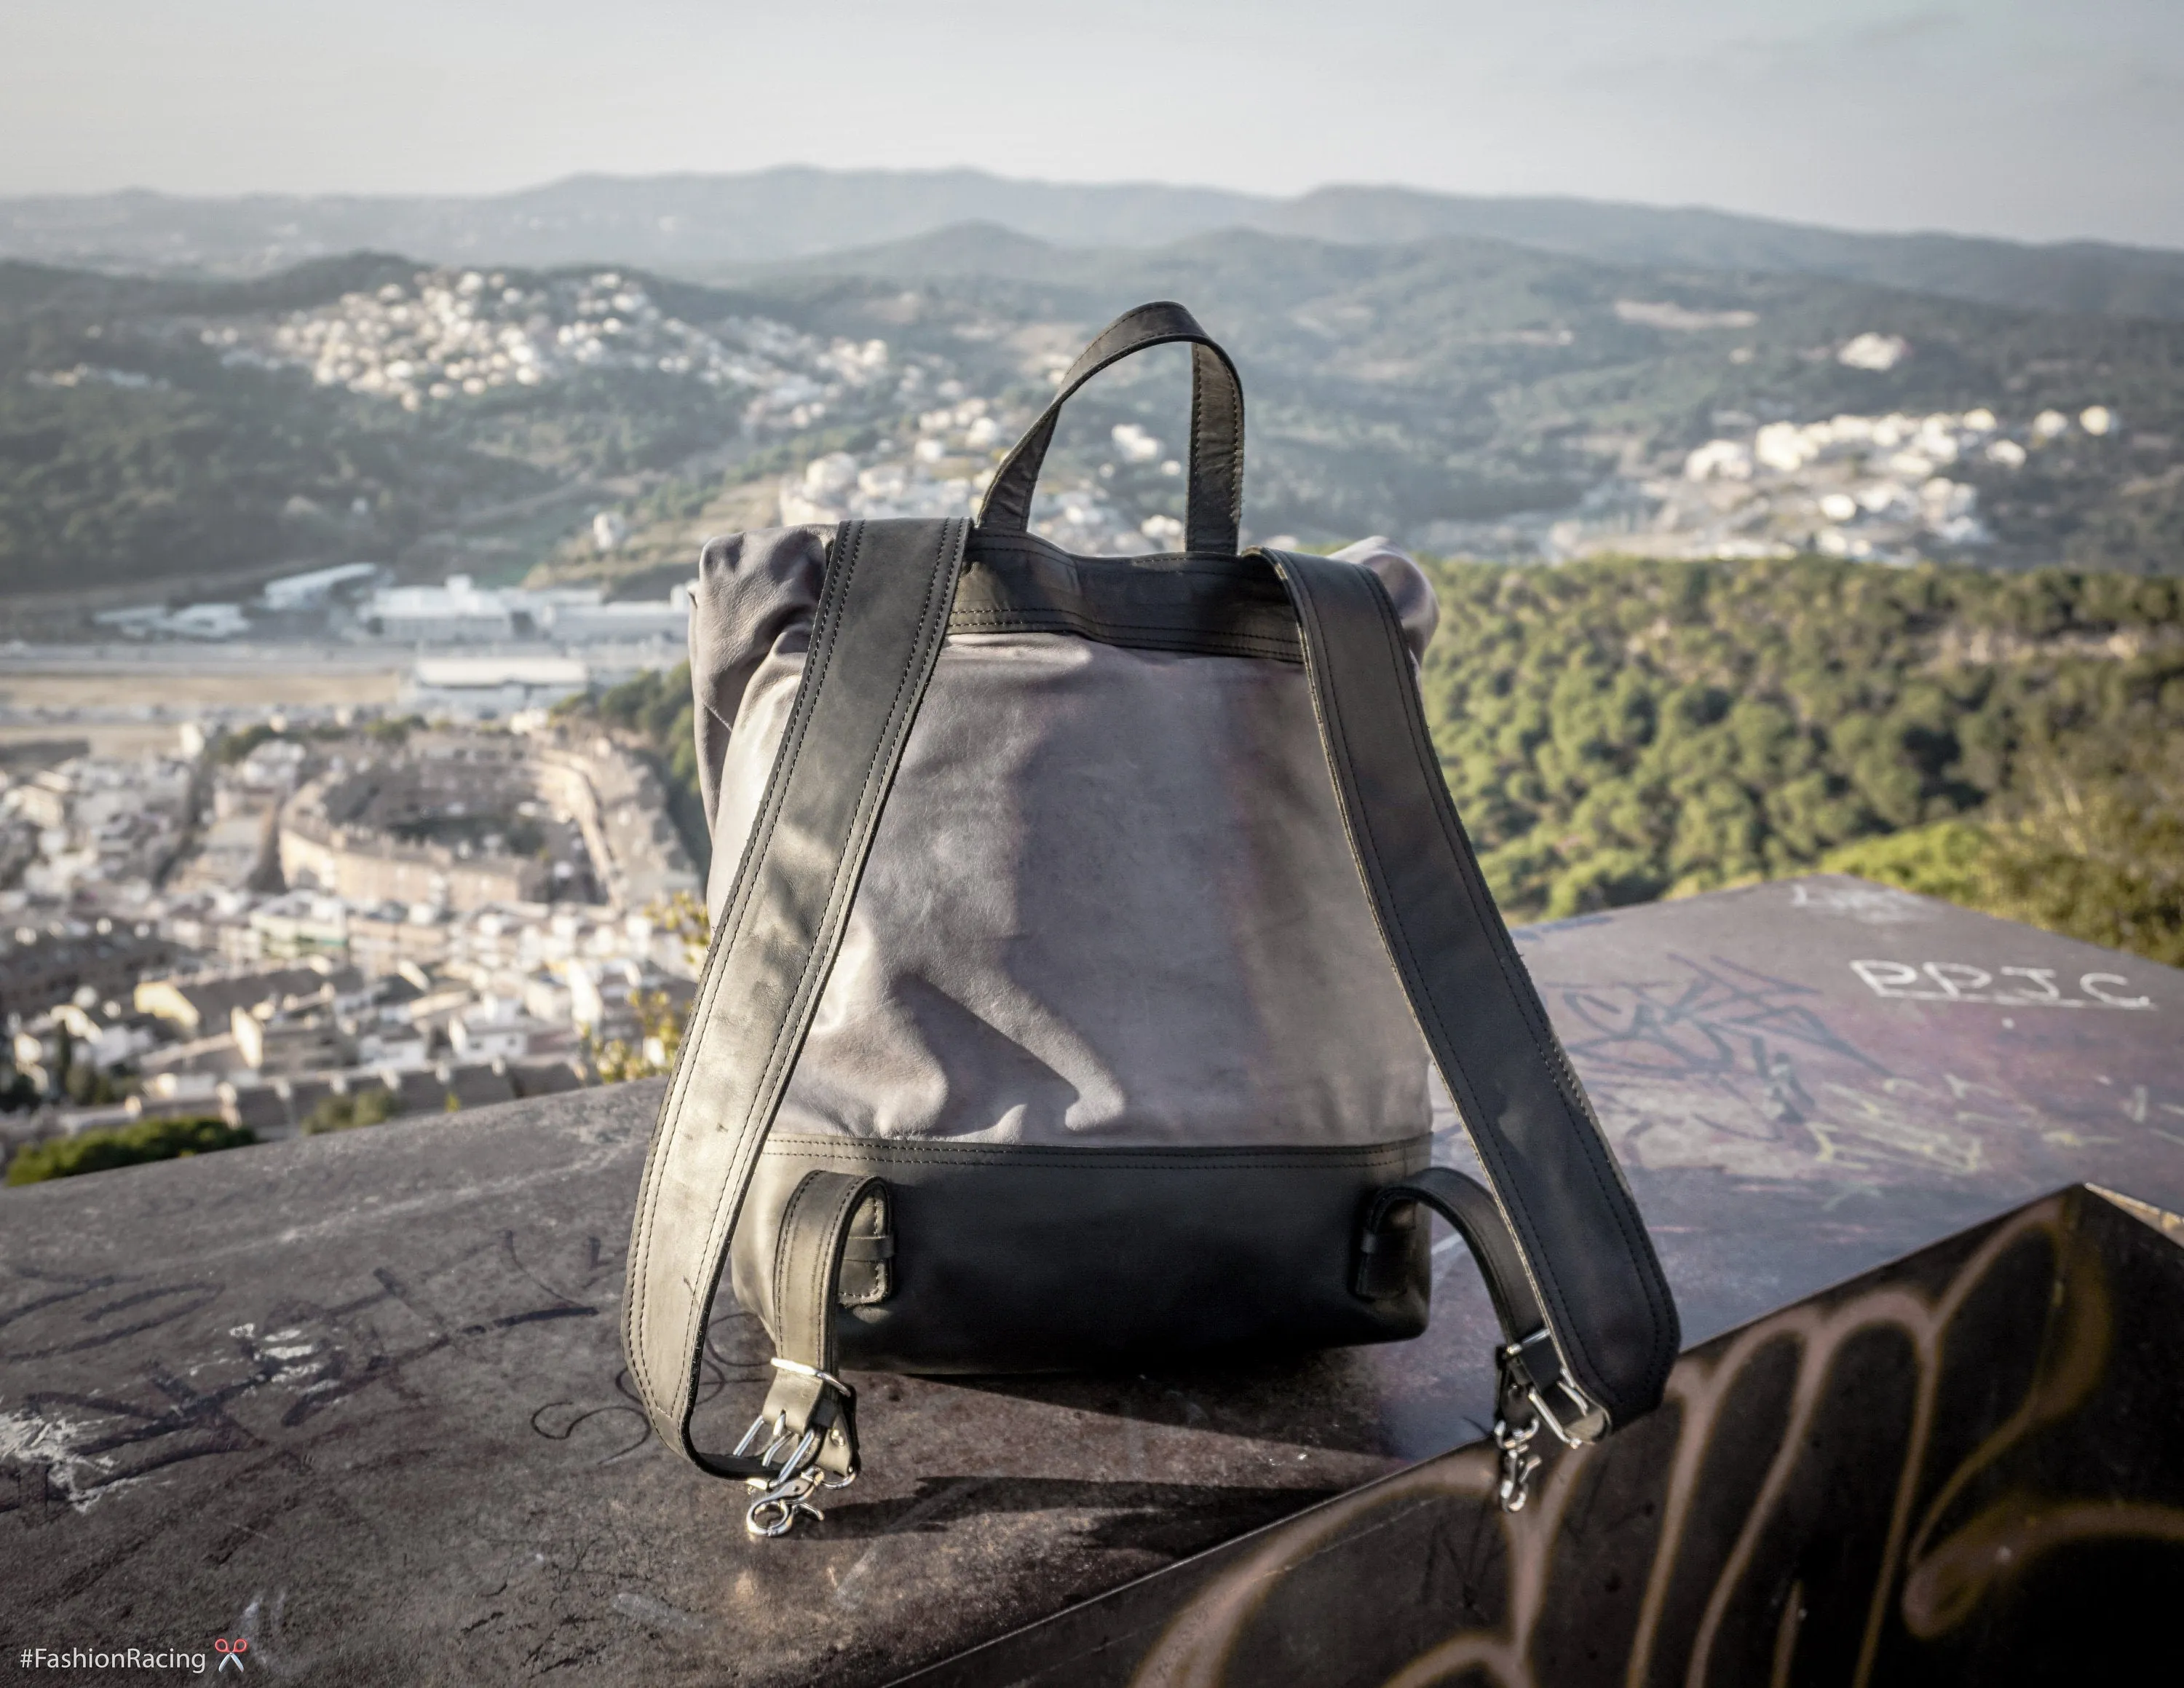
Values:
[(231, 1653)]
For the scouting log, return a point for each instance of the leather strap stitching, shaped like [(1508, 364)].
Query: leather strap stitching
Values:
[(927, 629), (1305, 576), (1506, 1188), (738, 1178), (826, 619), (1556, 1070), (818, 962)]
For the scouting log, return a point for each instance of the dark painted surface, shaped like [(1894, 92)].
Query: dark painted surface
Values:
[(357, 1397), (1960, 1468)]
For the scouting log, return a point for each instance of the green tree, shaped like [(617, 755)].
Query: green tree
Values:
[(2090, 843), (133, 1145), (372, 1105), (1615, 731)]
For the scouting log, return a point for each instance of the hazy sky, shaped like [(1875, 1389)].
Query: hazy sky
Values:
[(2040, 119)]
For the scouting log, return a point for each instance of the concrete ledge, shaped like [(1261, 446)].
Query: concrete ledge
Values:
[(360, 1399)]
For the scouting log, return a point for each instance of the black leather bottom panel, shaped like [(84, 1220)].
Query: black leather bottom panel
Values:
[(1017, 1259)]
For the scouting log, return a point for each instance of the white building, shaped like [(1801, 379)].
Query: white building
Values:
[(311, 591), (457, 612), (1874, 352), (494, 1028), (596, 622), (486, 688)]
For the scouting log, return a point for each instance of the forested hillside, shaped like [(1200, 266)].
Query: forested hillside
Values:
[(1458, 395), (1616, 732)]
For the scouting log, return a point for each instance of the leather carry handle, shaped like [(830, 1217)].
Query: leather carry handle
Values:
[(1581, 1241), (1214, 513)]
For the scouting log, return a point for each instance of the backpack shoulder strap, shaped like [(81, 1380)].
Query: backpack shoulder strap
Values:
[(875, 635), (1599, 1287)]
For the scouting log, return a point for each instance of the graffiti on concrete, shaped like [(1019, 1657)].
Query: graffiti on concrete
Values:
[(1824, 1494), (1959, 981), (1711, 1064), (184, 1378)]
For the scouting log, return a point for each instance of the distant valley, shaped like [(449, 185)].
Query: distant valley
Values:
[(1466, 396)]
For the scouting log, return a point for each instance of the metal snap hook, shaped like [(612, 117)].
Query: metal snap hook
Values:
[(1519, 1463)]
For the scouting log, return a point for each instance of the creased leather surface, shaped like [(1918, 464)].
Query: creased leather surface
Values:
[(1015, 1258), (1110, 899)]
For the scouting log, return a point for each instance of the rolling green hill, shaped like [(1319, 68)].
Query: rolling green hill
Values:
[(166, 432), (1618, 732)]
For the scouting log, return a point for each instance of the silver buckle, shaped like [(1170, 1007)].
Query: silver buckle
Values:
[(1518, 1462), (786, 1495), (1515, 1429)]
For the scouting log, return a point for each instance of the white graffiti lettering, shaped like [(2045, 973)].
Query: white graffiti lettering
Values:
[(1959, 981)]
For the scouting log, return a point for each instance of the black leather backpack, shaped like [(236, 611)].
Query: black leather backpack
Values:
[(1084, 927)]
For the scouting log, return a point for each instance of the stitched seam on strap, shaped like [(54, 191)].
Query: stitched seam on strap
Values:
[(882, 1286), (1401, 935), (1366, 854), (1529, 1006), (778, 1289), (694, 1320), (822, 653), (820, 1297), (735, 912), (773, 1080), (864, 822), (1062, 1157), (1195, 486), (1236, 457), (1529, 1010)]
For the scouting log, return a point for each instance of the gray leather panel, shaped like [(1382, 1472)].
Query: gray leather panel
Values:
[(1020, 1258), (1109, 900)]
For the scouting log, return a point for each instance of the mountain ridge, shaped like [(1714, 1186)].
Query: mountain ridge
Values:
[(702, 224)]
